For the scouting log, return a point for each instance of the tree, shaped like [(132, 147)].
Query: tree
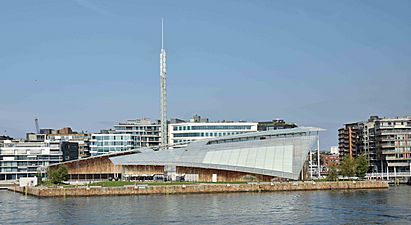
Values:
[(39, 178), (332, 173), (57, 176), (347, 167), (361, 166)]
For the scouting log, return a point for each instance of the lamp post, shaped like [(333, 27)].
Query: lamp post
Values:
[(318, 155)]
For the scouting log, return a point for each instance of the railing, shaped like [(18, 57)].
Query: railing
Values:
[(388, 145), (385, 132), (395, 152), (390, 175)]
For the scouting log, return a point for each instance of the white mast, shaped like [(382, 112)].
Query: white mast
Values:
[(162, 33), (163, 91)]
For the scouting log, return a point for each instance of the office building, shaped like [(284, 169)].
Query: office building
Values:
[(182, 132), (108, 143)]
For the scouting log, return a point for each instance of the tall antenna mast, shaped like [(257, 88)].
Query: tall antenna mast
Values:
[(162, 33), (163, 91)]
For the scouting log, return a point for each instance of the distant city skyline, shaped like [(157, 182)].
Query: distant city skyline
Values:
[(89, 64)]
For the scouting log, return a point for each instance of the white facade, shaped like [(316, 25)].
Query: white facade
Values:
[(183, 133), (334, 150), (148, 132), (24, 159)]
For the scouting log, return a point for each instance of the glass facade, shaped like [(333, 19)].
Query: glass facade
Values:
[(108, 143), (183, 133), (212, 127), (205, 134)]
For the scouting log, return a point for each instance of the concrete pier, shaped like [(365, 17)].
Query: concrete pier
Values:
[(200, 188)]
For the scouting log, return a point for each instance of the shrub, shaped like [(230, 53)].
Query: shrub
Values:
[(348, 167), (332, 173), (361, 166), (57, 176)]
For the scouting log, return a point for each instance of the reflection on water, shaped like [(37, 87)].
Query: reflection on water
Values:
[(314, 207)]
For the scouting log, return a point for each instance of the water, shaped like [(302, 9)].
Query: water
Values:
[(391, 206)]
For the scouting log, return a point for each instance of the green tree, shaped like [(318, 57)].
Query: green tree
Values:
[(361, 166), (57, 176), (332, 173), (39, 178), (347, 167)]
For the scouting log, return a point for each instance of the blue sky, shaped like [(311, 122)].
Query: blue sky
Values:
[(88, 64)]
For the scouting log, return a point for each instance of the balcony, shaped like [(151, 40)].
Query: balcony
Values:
[(399, 164), (388, 152), (394, 132), (387, 139), (388, 146), (388, 158)]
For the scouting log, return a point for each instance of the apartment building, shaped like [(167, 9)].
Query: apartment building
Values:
[(126, 136), (82, 140), (25, 159), (350, 140), (385, 141), (146, 131)]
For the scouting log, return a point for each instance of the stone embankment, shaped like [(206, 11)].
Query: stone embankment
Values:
[(199, 188)]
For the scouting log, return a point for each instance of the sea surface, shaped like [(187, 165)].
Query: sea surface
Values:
[(391, 206)]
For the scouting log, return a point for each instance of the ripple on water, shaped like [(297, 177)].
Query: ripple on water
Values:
[(316, 207)]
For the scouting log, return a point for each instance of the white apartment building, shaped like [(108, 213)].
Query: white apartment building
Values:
[(181, 133), (24, 159), (147, 132)]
